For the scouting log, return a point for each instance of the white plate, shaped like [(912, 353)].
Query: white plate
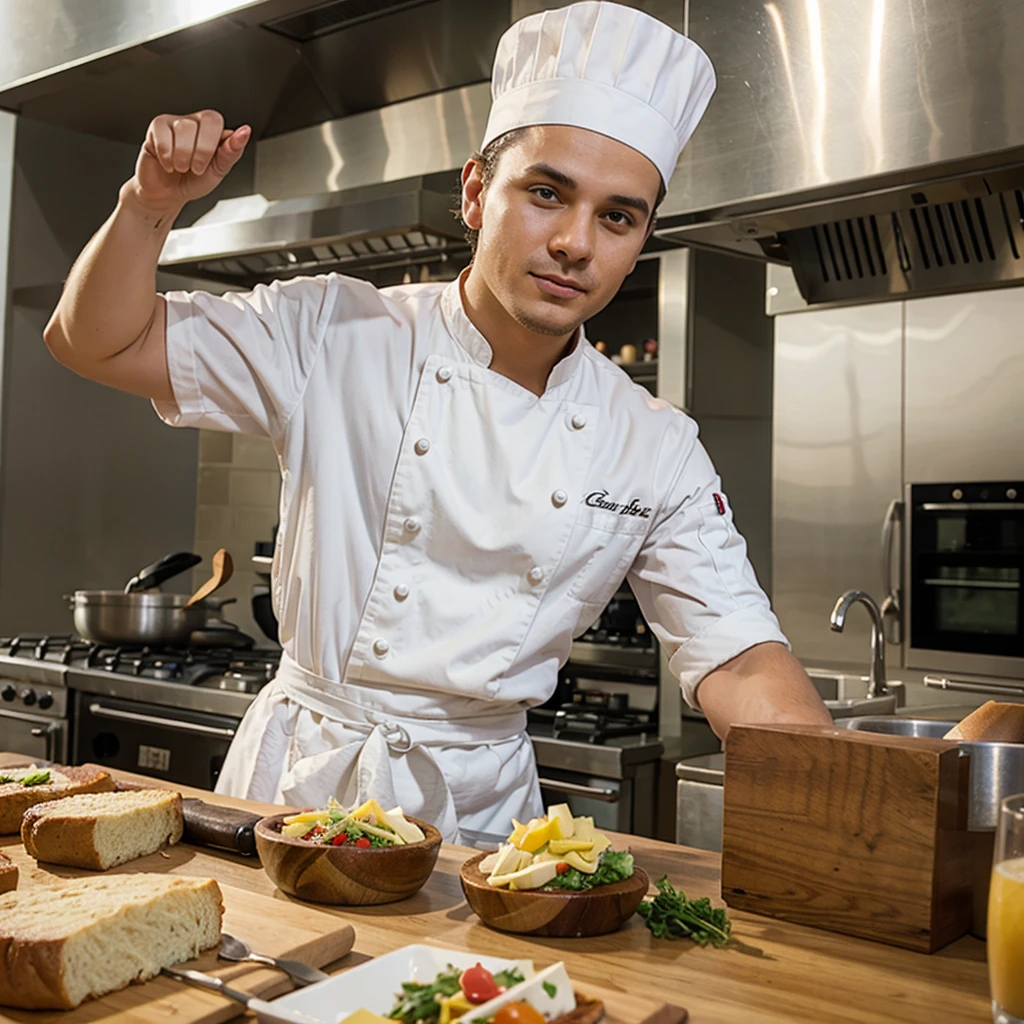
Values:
[(374, 985)]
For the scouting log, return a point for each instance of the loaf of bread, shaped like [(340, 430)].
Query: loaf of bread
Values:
[(19, 791), (8, 873), (99, 830), (63, 944)]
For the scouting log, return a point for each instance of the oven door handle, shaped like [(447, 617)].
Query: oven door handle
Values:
[(99, 711), (608, 796), (49, 734), (892, 610), (996, 689)]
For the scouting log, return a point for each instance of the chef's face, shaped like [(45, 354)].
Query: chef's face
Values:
[(561, 223)]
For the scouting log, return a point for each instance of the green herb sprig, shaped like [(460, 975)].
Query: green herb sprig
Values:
[(670, 915)]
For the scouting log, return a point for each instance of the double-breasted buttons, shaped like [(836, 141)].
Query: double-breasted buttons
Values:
[(535, 575), (401, 592), (422, 446), (578, 421), (444, 374), (411, 524), (381, 647), (559, 498)]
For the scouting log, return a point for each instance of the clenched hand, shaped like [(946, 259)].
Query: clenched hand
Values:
[(185, 157)]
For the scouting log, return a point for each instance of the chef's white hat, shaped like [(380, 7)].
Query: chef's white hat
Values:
[(605, 67)]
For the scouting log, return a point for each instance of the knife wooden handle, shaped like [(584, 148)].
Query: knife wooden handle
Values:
[(213, 825)]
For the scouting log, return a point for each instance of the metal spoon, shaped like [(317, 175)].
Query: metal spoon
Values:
[(237, 951)]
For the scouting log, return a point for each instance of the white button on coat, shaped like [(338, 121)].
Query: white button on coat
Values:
[(381, 647), (330, 370), (422, 446), (559, 498), (411, 524), (535, 575), (401, 592), (444, 374)]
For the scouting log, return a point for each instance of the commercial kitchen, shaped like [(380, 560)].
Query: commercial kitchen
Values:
[(831, 290)]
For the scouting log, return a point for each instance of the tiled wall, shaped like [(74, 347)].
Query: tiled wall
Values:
[(239, 485)]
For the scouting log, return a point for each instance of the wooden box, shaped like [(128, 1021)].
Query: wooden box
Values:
[(859, 833)]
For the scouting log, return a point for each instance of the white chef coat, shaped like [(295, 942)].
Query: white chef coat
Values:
[(444, 535)]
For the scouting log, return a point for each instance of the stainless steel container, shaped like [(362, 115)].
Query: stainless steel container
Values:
[(997, 769), (113, 617)]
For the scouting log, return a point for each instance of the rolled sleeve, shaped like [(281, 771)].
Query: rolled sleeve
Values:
[(240, 361), (692, 578)]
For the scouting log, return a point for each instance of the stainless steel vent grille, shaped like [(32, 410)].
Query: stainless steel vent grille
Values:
[(925, 249), (357, 232)]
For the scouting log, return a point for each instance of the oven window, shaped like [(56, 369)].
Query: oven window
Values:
[(982, 600)]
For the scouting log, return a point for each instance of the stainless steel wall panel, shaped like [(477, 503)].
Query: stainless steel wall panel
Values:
[(836, 467), (965, 387), (417, 137)]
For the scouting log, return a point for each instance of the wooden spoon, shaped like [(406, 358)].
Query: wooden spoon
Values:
[(993, 722), (223, 567)]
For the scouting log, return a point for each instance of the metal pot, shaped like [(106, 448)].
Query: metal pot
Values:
[(997, 769), (149, 617)]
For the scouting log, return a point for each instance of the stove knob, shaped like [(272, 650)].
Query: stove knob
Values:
[(28, 697), (9, 692), (46, 700)]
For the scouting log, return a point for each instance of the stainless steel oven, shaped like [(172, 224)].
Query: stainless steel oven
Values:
[(33, 700), (177, 744), (965, 578)]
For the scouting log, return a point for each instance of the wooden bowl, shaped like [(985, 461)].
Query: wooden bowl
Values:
[(345, 875), (554, 913)]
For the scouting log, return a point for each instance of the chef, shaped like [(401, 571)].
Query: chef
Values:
[(465, 481)]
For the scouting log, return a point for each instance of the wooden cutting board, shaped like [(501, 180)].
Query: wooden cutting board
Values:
[(278, 927), (627, 1008)]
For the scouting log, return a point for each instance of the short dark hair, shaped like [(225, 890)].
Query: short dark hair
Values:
[(488, 160)]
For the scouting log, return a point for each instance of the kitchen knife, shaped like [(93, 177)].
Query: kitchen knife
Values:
[(214, 825), (263, 1010)]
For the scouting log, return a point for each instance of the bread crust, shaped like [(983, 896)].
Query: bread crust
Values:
[(32, 971), (8, 873), (62, 839), (16, 799)]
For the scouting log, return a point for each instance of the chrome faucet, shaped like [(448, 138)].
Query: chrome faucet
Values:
[(876, 677)]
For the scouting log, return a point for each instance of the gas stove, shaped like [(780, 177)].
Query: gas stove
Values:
[(595, 717), (211, 667)]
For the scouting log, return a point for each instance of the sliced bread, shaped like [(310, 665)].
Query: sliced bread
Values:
[(8, 873), (63, 944), (22, 791), (99, 830)]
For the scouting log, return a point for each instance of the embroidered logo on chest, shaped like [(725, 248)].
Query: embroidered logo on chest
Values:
[(600, 499)]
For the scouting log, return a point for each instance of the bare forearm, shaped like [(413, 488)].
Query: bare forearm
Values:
[(109, 300), (765, 684)]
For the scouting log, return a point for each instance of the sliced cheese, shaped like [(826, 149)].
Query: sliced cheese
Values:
[(539, 834), (566, 824), (568, 845), (584, 828), (539, 873), (507, 862), (370, 807), (575, 860), (364, 1017), (297, 829), (311, 816), (408, 830)]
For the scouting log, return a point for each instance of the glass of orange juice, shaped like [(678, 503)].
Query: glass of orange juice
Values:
[(1006, 916)]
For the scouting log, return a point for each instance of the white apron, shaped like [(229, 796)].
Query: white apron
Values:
[(318, 738)]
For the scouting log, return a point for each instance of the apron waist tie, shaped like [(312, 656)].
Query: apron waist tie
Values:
[(366, 766)]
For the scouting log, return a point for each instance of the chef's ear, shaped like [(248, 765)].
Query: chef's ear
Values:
[(472, 194)]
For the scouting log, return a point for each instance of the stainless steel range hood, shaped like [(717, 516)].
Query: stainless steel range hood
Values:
[(876, 145), (107, 67), (242, 242)]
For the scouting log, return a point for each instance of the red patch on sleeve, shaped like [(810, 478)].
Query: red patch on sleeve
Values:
[(720, 504)]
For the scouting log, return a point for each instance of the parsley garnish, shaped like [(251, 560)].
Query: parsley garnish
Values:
[(614, 866), (552, 990), (670, 915)]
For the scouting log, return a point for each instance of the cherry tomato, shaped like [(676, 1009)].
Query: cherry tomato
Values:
[(518, 1013), (363, 843), (561, 867), (339, 840), (478, 985)]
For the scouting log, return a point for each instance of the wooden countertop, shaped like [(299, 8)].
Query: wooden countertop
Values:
[(777, 973)]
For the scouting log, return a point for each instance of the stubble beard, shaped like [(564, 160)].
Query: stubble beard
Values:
[(544, 327)]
